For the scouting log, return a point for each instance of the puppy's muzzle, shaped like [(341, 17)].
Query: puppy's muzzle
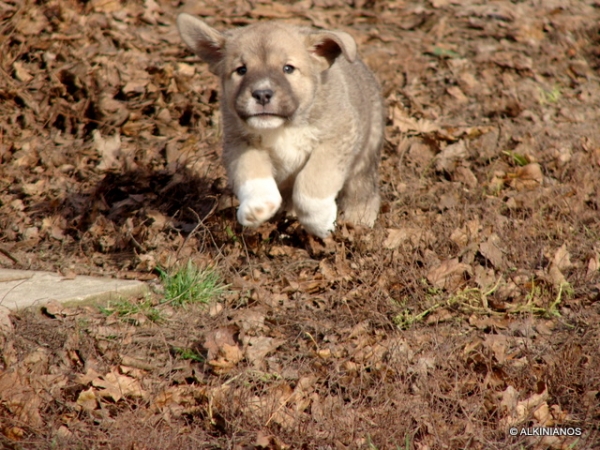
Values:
[(263, 96)]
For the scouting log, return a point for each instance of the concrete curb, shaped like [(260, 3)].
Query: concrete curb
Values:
[(24, 288)]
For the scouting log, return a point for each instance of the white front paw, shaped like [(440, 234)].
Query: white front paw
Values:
[(317, 215), (255, 211), (259, 201)]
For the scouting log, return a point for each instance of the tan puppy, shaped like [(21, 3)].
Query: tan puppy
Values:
[(302, 118)]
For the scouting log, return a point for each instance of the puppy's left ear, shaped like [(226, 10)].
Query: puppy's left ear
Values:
[(331, 44)]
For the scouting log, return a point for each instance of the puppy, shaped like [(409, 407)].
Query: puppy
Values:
[(302, 118)]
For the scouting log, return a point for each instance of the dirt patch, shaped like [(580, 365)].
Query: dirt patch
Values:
[(470, 308)]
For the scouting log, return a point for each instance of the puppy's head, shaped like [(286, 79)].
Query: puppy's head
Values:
[(270, 72)]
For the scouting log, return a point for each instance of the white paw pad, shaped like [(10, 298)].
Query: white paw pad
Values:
[(259, 201)]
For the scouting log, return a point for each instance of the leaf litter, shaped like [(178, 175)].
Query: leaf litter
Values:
[(471, 307)]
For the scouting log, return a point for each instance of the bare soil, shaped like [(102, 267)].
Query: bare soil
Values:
[(471, 308)]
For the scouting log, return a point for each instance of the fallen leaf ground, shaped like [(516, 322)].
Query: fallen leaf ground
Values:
[(471, 307)]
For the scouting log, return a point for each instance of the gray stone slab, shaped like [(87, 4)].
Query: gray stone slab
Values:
[(23, 289)]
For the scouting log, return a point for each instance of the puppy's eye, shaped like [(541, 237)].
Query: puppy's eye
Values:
[(241, 70), (288, 69)]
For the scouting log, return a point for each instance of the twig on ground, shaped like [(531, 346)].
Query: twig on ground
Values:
[(9, 255)]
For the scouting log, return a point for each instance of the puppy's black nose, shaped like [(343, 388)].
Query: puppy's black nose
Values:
[(262, 96)]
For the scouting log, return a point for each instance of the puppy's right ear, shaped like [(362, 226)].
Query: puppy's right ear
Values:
[(205, 41)]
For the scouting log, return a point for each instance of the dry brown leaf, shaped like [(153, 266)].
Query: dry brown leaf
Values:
[(419, 153), (106, 6), (512, 60), (593, 267), (87, 400), (6, 325), (560, 262), (13, 433), (466, 176), (33, 22), (136, 86), (117, 386), (407, 124), (21, 72), (37, 361), (486, 279), (527, 177), (134, 366), (273, 406), (110, 105), (529, 30), (172, 395), (304, 389), (492, 251), (109, 150), (448, 159), (214, 340), (56, 309), (19, 398), (250, 320), (272, 11), (449, 275), (556, 276), (516, 412), (466, 235), (173, 401), (64, 433), (34, 189), (562, 258), (256, 348), (508, 405), (487, 322), (324, 353), (281, 250), (499, 345), (458, 94), (263, 440), (414, 236), (159, 220), (371, 355), (227, 358), (543, 416), (328, 271), (152, 12), (89, 376)]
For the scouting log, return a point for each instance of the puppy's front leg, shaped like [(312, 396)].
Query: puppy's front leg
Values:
[(251, 174), (315, 192)]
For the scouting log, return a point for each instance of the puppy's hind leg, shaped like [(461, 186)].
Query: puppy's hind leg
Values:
[(359, 199)]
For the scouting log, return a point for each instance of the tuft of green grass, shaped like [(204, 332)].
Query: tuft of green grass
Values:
[(445, 53), (190, 284), (548, 96), (406, 318), (475, 301), (127, 310), (565, 289), (517, 159), (230, 234), (188, 353)]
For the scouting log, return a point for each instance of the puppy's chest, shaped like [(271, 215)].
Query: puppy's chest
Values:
[(289, 149)]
